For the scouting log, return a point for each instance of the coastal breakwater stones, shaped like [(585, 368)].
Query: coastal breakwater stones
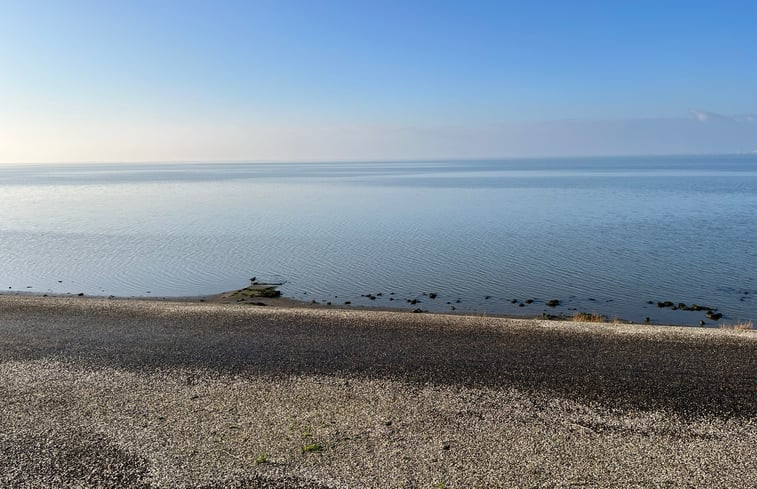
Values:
[(711, 312)]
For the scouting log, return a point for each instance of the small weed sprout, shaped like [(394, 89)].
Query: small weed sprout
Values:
[(312, 448)]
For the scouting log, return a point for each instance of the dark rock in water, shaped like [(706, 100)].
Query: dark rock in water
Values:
[(514, 301), (347, 303), (529, 301), (432, 295), (714, 315), (413, 301), (379, 294), (553, 303), (313, 302), (417, 310), (648, 302), (665, 304), (391, 298), (80, 294), (487, 297), (328, 303), (521, 305), (674, 308), (452, 308), (683, 306), (457, 301), (448, 302), (593, 299), (551, 317), (701, 322), (253, 279)]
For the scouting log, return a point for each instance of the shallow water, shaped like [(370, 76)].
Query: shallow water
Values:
[(602, 235)]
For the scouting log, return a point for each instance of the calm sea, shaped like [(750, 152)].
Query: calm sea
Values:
[(602, 235)]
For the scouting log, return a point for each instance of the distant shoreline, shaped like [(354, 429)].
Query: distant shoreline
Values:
[(288, 303)]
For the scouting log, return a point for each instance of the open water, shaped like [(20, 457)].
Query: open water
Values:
[(601, 235)]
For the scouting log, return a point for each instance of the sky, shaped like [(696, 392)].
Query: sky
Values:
[(165, 80)]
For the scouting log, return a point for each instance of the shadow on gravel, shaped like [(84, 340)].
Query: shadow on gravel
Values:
[(686, 375), (77, 458), (68, 458)]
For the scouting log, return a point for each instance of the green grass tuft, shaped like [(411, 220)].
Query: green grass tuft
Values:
[(312, 448)]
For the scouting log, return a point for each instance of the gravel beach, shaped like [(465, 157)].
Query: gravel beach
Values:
[(147, 394)]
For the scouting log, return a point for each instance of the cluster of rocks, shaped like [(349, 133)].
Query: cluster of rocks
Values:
[(434, 295), (373, 296), (710, 312)]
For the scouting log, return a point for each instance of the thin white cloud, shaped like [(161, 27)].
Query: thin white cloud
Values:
[(701, 115), (704, 116)]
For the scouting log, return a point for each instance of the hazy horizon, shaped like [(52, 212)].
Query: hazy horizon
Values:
[(386, 160)]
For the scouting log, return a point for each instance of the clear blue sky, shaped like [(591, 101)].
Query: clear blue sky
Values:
[(165, 80)]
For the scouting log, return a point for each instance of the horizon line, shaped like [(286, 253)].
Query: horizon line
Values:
[(388, 160)]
